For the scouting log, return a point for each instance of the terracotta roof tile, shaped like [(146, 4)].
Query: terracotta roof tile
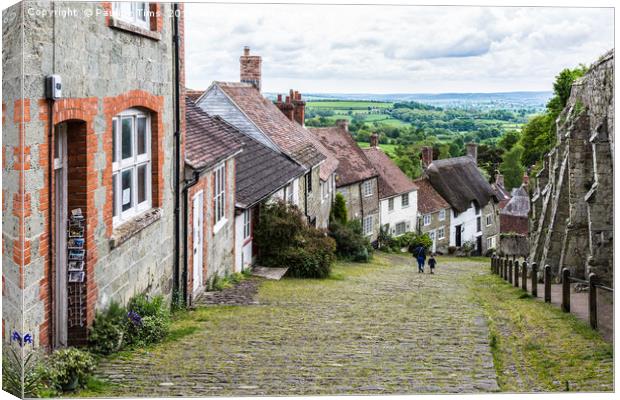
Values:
[(208, 139), (291, 137), (392, 180), (429, 201), (193, 94), (353, 165)]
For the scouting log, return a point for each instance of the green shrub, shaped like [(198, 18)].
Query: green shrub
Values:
[(148, 320), (339, 209), (108, 331), (286, 240), (14, 366), (351, 244), (70, 368)]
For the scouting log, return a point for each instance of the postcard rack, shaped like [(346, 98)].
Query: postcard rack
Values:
[(76, 259)]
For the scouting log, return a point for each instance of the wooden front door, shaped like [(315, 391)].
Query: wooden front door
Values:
[(457, 236)]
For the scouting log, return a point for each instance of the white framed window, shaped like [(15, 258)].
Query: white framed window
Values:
[(442, 215), (134, 12), (288, 193), (247, 223), (219, 199), (405, 200), (441, 233), (401, 228), (367, 188), (391, 204), (367, 225), (427, 219), (491, 242), (131, 165), (309, 182), (489, 219)]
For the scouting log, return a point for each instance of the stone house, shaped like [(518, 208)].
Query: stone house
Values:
[(398, 195), (212, 147), (434, 214), (242, 105), (90, 174), (475, 214), (356, 178)]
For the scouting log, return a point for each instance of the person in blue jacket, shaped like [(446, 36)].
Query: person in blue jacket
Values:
[(420, 254)]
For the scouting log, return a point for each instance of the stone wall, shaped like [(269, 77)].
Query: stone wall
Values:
[(441, 245), (104, 69), (571, 213), (358, 206)]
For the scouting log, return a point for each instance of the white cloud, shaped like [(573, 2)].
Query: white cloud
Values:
[(385, 49)]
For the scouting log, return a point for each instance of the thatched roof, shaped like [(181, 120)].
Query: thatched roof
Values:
[(459, 181)]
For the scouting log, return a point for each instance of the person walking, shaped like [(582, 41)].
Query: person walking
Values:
[(420, 254), (432, 262)]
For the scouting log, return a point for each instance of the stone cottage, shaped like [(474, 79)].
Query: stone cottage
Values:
[(90, 169), (571, 214), (356, 178), (242, 105), (398, 194), (433, 215), (475, 216), (212, 147)]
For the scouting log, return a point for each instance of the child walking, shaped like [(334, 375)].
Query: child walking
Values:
[(432, 262)]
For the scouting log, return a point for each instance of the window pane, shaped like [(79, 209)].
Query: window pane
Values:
[(114, 192), (126, 139), (141, 183), (141, 122), (141, 11), (126, 194), (114, 132)]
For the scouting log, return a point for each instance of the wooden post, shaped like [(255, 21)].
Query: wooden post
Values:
[(505, 268), (534, 279), (524, 276), (510, 271), (592, 279), (547, 284), (493, 263), (566, 290), (516, 277), (501, 267)]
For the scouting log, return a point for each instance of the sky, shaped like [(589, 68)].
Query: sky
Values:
[(393, 49)]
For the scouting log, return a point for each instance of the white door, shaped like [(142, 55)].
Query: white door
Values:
[(60, 236), (198, 240), (432, 235)]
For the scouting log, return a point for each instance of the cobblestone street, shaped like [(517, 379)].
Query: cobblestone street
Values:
[(370, 329)]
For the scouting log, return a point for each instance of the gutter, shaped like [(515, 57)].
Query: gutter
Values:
[(177, 153)]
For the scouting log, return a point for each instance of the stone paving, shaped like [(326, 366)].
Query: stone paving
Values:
[(243, 293), (377, 328)]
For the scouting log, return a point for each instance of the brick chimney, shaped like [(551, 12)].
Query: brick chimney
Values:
[(250, 68), (286, 106), (427, 156), (299, 108), (526, 179), (343, 124), (472, 151), (374, 140), (499, 179)]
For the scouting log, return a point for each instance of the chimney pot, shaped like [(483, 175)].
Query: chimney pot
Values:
[(343, 124), (499, 179), (427, 156), (250, 68), (288, 99), (246, 50), (374, 140), (472, 151), (279, 98), (526, 179)]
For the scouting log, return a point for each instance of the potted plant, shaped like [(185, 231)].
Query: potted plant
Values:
[(70, 368)]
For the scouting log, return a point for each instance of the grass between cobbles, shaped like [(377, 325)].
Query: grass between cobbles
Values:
[(536, 346)]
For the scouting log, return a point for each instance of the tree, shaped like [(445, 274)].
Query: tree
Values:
[(339, 210), (537, 139), (509, 139), (511, 167)]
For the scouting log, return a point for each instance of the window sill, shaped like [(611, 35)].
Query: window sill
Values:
[(219, 225), (128, 229), (128, 27)]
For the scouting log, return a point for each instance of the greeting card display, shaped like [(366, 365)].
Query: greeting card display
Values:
[(76, 262)]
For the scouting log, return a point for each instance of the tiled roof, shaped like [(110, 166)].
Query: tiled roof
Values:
[(192, 94), (261, 171), (209, 140), (501, 193), (519, 204), (459, 181), (353, 165), (429, 201), (291, 137), (392, 180)]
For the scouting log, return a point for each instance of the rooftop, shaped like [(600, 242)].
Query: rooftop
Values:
[(392, 180), (429, 201)]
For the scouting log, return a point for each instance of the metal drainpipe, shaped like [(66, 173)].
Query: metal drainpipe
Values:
[(306, 196), (177, 155), (51, 243)]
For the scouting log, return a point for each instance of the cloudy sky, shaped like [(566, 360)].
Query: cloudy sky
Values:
[(393, 49)]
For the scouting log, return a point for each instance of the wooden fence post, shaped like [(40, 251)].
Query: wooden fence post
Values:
[(510, 271), (506, 261), (566, 290), (501, 267), (592, 279), (516, 277), (534, 279), (524, 276), (547, 284)]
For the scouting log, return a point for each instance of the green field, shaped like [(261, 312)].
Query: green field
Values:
[(347, 105), (389, 149)]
